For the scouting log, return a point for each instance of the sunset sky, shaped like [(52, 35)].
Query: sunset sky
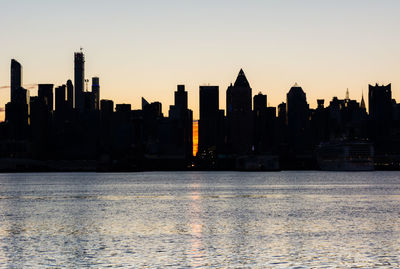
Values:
[(146, 48)]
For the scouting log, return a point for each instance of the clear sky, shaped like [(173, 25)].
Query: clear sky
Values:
[(146, 48)]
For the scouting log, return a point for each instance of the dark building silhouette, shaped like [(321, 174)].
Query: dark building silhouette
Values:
[(79, 77), (180, 125), (239, 116), (70, 95), (60, 99), (380, 106), (18, 109), (96, 92), (210, 125), (16, 79), (260, 123), (106, 106), (45, 93), (297, 114)]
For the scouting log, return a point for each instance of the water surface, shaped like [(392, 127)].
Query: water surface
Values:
[(200, 220)]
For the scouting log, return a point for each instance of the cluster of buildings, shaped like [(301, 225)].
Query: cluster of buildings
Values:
[(82, 132)]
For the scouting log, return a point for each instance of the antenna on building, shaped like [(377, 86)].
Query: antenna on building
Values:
[(81, 49)]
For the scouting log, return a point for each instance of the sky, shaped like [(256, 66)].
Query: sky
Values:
[(145, 48)]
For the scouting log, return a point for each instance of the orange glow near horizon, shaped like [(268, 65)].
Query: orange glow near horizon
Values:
[(195, 137)]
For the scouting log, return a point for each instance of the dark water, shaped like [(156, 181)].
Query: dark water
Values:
[(200, 219)]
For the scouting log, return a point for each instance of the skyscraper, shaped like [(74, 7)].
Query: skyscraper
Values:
[(209, 117), (79, 76), (60, 101), (239, 116), (182, 119), (16, 78), (260, 122), (260, 102), (70, 95), (380, 102), (297, 112), (381, 116), (96, 92), (17, 110)]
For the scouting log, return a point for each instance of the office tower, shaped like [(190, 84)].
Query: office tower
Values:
[(45, 94), (381, 117), (106, 106), (239, 116), (297, 112), (96, 92), (60, 100), (260, 102), (17, 110), (70, 95), (16, 78), (209, 131), (181, 98), (40, 127), (380, 103), (182, 122), (260, 123), (79, 76)]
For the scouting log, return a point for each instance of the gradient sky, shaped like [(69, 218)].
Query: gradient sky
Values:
[(146, 48)]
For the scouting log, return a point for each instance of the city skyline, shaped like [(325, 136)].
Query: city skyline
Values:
[(147, 49), (68, 122)]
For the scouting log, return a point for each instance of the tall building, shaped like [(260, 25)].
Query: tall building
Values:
[(182, 119), (209, 131), (60, 99), (18, 109), (239, 116), (260, 102), (45, 94), (297, 117), (380, 103), (70, 95), (381, 117), (260, 123), (79, 77), (96, 92), (16, 79)]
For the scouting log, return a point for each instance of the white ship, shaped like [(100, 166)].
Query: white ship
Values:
[(346, 156)]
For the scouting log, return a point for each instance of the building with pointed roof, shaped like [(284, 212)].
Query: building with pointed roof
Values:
[(239, 116)]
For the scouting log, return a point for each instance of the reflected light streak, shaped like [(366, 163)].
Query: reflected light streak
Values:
[(196, 226)]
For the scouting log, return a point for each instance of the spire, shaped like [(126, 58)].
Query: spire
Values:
[(347, 94), (241, 80), (362, 100)]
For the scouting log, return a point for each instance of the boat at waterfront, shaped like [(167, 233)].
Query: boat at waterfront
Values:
[(346, 156)]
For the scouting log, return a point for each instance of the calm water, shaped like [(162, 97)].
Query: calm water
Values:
[(200, 219)]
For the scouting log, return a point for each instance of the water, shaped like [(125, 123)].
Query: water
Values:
[(200, 220)]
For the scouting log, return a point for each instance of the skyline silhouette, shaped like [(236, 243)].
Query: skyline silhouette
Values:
[(71, 122)]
